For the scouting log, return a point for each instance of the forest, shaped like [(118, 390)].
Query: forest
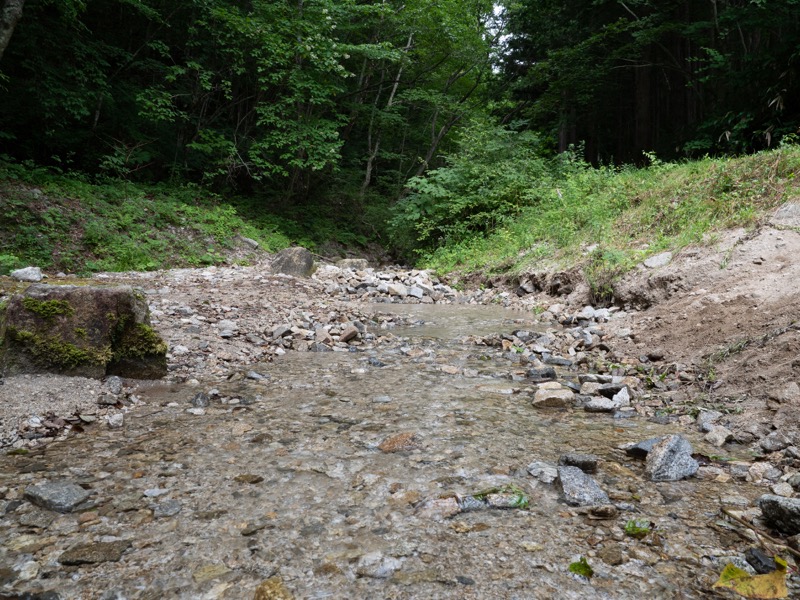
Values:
[(413, 123)]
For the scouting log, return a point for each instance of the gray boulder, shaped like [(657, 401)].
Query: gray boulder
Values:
[(33, 274), (670, 459), (80, 331), (781, 513), (60, 496), (579, 488), (298, 262)]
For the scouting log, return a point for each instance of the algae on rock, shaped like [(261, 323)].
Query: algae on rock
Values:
[(80, 330)]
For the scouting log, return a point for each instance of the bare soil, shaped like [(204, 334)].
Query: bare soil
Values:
[(726, 314)]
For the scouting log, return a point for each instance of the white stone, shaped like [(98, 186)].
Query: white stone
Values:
[(659, 260), (116, 420), (27, 274)]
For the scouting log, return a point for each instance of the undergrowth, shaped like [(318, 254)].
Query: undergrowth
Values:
[(605, 219), (65, 222)]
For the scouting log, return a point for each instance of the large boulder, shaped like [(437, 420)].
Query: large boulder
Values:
[(293, 261), (80, 331)]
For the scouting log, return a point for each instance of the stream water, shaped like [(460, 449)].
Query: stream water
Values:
[(292, 476)]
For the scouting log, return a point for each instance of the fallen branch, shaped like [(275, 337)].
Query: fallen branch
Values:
[(772, 540)]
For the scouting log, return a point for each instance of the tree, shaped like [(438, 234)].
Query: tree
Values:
[(10, 14)]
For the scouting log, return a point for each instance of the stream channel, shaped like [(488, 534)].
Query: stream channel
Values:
[(335, 476)]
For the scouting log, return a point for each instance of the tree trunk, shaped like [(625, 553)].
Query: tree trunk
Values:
[(10, 14)]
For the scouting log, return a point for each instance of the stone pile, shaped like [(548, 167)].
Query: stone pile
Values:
[(411, 287)]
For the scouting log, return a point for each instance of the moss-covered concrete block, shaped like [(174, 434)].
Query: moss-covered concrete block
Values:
[(81, 331)]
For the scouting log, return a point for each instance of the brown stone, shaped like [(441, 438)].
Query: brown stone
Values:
[(402, 442), (97, 552), (272, 589)]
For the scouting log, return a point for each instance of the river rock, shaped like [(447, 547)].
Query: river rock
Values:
[(272, 589), (377, 566), (356, 264), (60, 496), (585, 462), (296, 261), (93, 553), (541, 374), (544, 472), (81, 331), (670, 459), (781, 513), (598, 404), (718, 435), (641, 449), (32, 274), (775, 442), (553, 398), (579, 488)]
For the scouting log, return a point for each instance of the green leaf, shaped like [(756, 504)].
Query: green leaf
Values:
[(765, 587)]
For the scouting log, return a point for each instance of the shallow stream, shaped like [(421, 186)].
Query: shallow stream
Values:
[(284, 477)]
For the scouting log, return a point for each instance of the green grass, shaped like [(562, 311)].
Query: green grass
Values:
[(63, 222), (625, 215)]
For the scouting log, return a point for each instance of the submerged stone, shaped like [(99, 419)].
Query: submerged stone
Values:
[(93, 553), (671, 459), (579, 488), (60, 496)]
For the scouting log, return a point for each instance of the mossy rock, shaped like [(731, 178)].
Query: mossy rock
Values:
[(82, 331)]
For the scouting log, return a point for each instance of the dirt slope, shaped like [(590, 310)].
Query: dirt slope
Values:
[(729, 314)]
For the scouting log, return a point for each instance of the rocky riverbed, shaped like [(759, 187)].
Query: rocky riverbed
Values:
[(375, 433)]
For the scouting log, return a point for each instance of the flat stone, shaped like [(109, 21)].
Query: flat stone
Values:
[(544, 472), (718, 435), (547, 398), (670, 460), (439, 509), (659, 260), (60, 496), (93, 553), (558, 361), (167, 508), (377, 566), (579, 488), (781, 513), (600, 405)]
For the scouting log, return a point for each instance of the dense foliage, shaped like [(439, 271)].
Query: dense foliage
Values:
[(291, 97), (678, 77), (437, 127)]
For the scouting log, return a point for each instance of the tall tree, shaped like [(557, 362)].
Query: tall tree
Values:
[(10, 14)]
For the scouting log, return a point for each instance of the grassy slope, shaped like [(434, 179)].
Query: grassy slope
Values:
[(65, 223), (608, 220)]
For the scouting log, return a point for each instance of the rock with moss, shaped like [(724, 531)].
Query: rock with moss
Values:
[(81, 331)]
